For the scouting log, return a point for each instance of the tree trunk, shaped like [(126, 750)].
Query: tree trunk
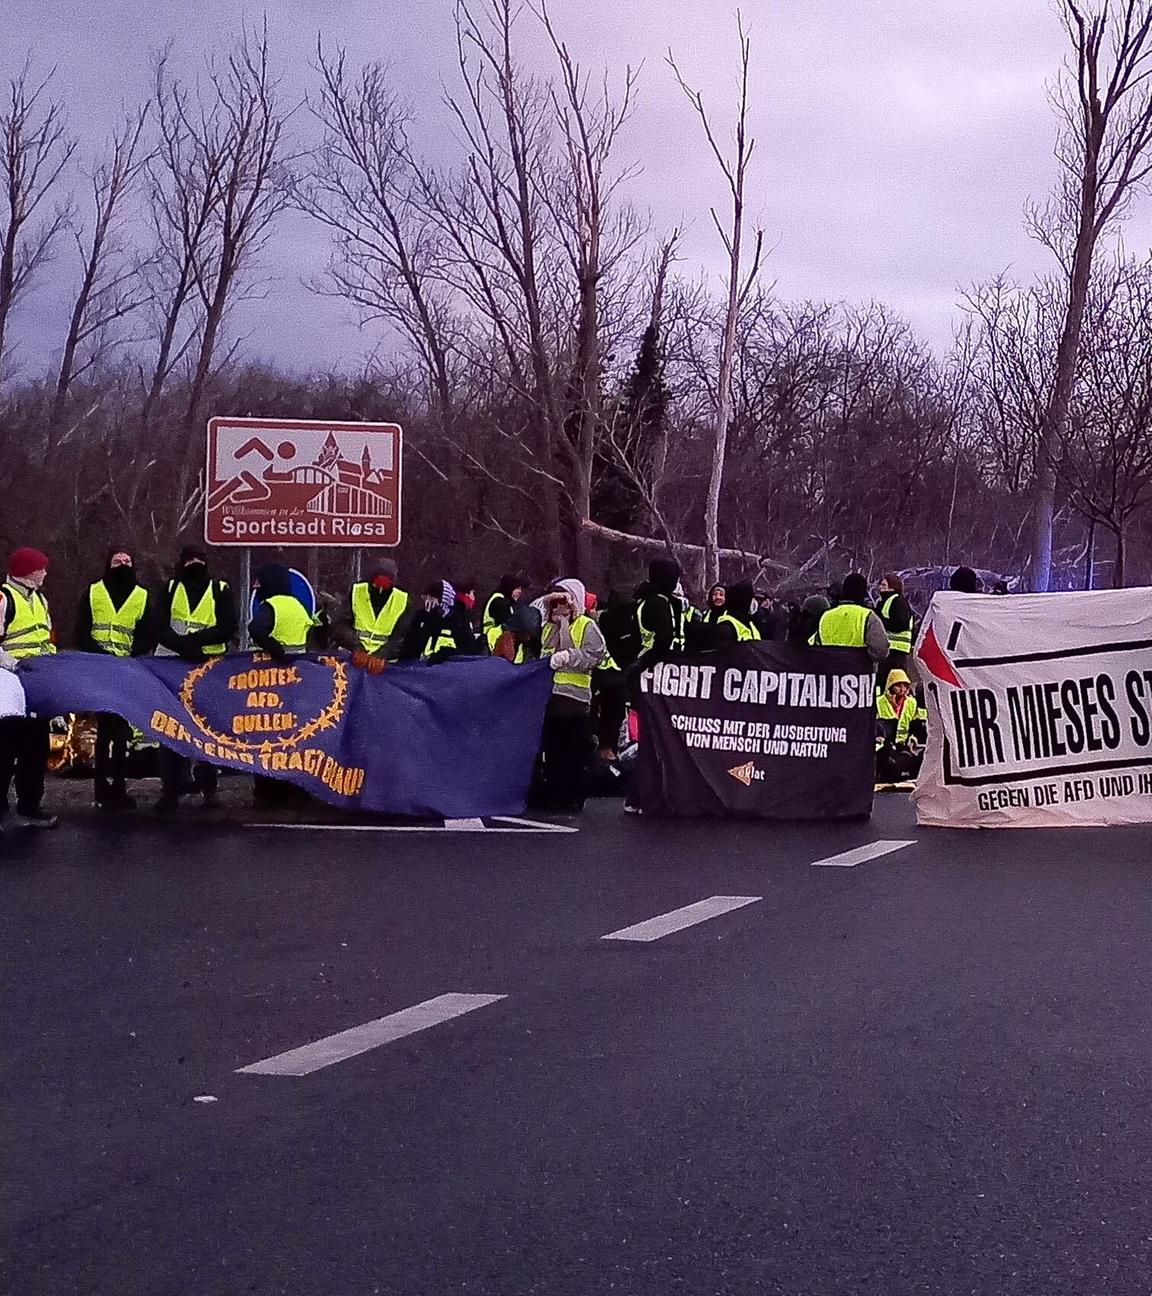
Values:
[(1089, 555), (1118, 572)]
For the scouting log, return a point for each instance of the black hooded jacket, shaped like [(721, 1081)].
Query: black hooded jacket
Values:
[(501, 605), (273, 579), (196, 580), (120, 582), (659, 611), (739, 606)]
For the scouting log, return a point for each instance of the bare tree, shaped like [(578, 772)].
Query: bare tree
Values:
[(365, 188), (218, 182), (1106, 464), (590, 123), (110, 284), (735, 171), (36, 149), (1104, 102)]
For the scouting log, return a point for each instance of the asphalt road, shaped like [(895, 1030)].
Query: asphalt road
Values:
[(926, 1073)]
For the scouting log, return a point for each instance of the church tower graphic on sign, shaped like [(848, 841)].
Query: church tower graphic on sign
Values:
[(353, 489)]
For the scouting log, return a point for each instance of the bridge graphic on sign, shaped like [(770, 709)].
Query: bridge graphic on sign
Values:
[(267, 479)]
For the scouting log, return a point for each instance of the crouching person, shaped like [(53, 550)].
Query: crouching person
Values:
[(572, 644), (901, 731)]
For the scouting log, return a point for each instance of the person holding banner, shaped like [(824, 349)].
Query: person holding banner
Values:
[(281, 624), (113, 620), (442, 628), (377, 616), (901, 731), (194, 617)]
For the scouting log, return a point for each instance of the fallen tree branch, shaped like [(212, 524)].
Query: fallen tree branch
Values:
[(797, 577), (790, 575), (649, 544)]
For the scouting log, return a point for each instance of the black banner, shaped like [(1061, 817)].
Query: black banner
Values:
[(761, 730)]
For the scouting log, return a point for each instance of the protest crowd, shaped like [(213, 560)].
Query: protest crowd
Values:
[(596, 652)]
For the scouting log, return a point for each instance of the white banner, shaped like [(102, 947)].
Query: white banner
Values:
[(1040, 710)]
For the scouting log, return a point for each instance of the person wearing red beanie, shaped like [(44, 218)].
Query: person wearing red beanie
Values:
[(25, 631)]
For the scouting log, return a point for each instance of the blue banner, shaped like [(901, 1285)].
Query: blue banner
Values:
[(457, 739)]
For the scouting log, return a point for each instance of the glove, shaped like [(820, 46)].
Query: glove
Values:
[(7, 661), (561, 660), (367, 662)]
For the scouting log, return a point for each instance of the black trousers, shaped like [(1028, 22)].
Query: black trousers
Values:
[(896, 764), (24, 747), (609, 706), (565, 749), (111, 757), (176, 771)]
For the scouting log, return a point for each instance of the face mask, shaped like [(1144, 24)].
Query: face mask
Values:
[(34, 580), (382, 582)]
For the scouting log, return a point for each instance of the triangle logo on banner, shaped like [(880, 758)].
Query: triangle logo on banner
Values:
[(935, 660)]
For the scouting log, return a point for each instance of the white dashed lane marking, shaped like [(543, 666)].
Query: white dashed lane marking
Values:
[(359, 1039), (676, 920), (849, 859)]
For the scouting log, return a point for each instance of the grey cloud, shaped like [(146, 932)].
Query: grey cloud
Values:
[(898, 139)]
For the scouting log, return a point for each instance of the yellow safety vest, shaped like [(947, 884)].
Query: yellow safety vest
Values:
[(648, 637), (577, 679), (493, 637), (374, 631), (912, 712), (114, 628), (443, 641), (841, 627), (188, 620), (29, 633), (489, 616), (898, 640), (742, 631), (291, 622)]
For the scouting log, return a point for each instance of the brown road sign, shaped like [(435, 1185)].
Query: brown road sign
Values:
[(298, 482)]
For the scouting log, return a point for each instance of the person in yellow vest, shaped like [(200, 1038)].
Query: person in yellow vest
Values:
[(194, 617), (852, 623), (281, 625), (514, 640), (442, 627), (378, 614), (735, 624), (25, 631), (892, 608), (572, 644), (660, 613), (503, 603), (113, 619), (901, 731)]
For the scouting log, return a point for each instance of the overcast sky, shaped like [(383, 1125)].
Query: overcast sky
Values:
[(897, 139)]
